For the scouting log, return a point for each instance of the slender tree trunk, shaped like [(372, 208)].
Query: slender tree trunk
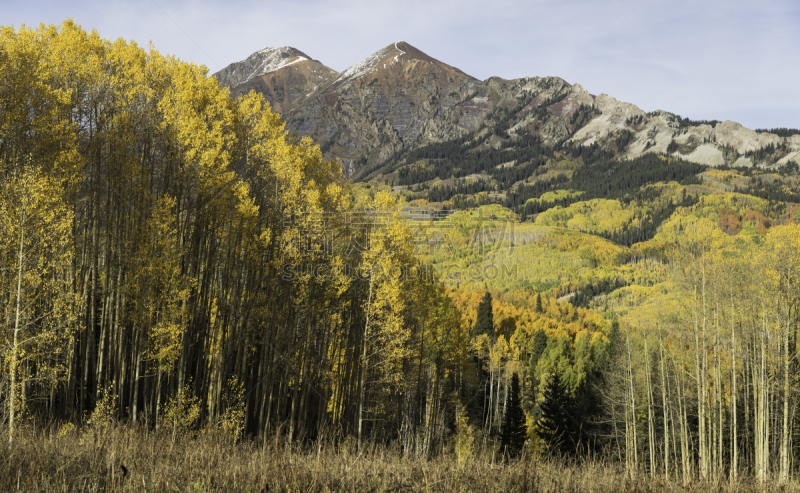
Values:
[(784, 470), (15, 350), (684, 425), (734, 397), (665, 409), (138, 367), (362, 378), (718, 385), (651, 431), (632, 401)]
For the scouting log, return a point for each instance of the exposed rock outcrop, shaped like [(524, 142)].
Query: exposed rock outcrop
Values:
[(400, 98)]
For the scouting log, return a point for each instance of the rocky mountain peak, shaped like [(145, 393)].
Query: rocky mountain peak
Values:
[(400, 99), (261, 62), (395, 55)]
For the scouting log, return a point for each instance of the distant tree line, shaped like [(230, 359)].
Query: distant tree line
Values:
[(780, 132)]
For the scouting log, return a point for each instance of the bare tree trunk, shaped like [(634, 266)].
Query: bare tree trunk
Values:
[(718, 385), (684, 432), (700, 391), (761, 418), (15, 350), (633, 439), (137, 370), (651, 431), (664, 406), (734, 396), (362, 379), (705, 444), (784, 471), (489, 414)]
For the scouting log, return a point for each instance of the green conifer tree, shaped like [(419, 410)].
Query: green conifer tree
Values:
[(538, 344), (484, 323), (556, 427), (512, 431)]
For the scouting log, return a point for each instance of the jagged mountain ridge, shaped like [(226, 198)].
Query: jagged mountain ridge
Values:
[(399, 99), (259, 63), (283, 75), (381, 106)]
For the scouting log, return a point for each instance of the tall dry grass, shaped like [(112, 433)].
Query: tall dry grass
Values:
[(63, 458)]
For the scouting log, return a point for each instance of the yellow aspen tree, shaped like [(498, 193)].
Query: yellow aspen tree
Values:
[(498, 357), (169, 292), (694, 261), (782, 269), (35, 239)]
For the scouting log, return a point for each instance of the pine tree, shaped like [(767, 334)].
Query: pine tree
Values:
[(614, 338), (484, 324), (556, 427), (512, 432), (539, 308), (538, 344)]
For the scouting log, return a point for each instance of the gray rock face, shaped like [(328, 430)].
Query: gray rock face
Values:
[(261, 62), (390, 102), (285, 76), (399, 99)]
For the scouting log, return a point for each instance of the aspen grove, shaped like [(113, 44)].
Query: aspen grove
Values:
[(155, 243)]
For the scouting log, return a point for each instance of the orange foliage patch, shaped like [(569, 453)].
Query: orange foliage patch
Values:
[(762, 222), (729, 222)]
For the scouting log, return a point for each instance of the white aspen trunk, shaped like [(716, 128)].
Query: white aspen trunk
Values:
[(15, 350), (672, 428), (135, 403), (766, 404), (755, 376), (102, 346), (629, 464), (488, 424), (666, 420), (747, 371), (505, 398), (735, 448), (634, 438), (784, 474), (497, 417), (651, 433), (762, 419), (158, 396), (700, 391), (684, 432), (362, 377), (718, 384), (706, 443)]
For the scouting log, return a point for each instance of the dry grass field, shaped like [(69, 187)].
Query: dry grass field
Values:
[(119, 458)]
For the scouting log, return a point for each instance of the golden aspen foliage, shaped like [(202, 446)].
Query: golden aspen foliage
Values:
[(36, 250)]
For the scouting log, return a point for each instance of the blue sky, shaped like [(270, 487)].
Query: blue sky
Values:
[(727, 60)]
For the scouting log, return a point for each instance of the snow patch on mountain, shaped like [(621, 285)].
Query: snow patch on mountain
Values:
[(261, 62), (363, 67), (272, 59), (386, 56)]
